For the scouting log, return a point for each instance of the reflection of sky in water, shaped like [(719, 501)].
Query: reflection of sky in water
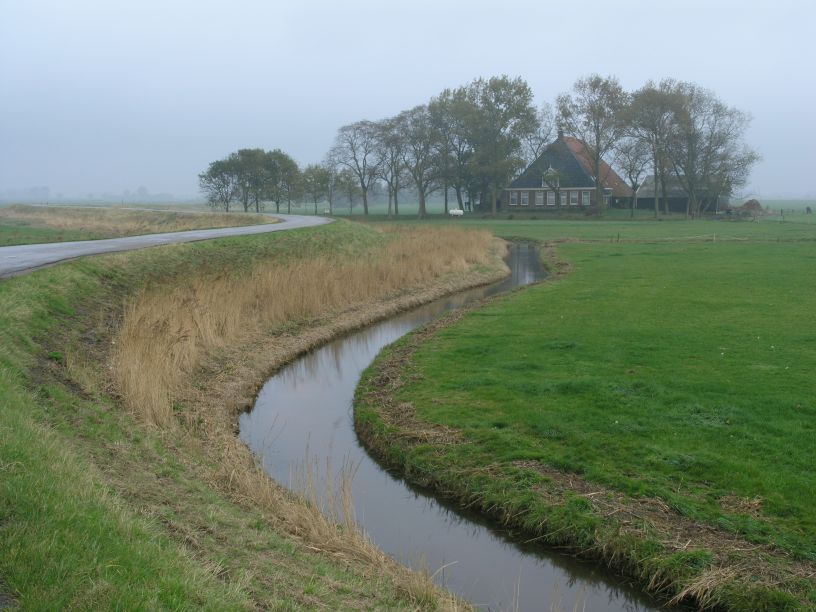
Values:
[(308, 405)]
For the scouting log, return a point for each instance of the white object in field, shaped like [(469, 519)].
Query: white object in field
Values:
[(456, 212)]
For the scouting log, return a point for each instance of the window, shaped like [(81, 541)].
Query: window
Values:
[(513, 198), (563, 198), (525, 198), (585, 198), (573, 198), (550, 198), (539, 198)]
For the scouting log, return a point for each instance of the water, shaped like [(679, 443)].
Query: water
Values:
[(308, 405)]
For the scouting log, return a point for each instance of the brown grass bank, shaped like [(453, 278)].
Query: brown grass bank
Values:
[(189, 357), (115, 222)]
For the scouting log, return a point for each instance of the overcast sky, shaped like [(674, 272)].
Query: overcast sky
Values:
[(112, 95)]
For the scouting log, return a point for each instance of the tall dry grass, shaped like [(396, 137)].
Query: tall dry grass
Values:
[(168, 331), (120, 222)]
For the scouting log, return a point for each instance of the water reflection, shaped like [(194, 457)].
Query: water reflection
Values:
[(308, 405)]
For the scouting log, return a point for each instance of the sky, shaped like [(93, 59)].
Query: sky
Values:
[(107, 96)]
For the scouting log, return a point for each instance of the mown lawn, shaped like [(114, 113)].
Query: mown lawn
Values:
[(659, 367), (681, 372)]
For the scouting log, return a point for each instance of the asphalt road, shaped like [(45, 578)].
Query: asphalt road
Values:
[(16, 260)]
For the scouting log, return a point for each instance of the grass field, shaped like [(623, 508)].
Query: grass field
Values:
[(665, 369), (38, 224), (99, 510)]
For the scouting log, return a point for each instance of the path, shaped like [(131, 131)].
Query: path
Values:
[(21, 259)]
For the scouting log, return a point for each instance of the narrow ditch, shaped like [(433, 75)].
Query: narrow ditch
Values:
[(305, 410)]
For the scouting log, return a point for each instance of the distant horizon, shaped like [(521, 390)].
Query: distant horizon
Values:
[(104, 97)]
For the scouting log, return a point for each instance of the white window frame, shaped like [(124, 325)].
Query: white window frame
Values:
[(573, 198), (525, 198), (564, 198), (539, 198), (514, 198), (586, 198), (550, 198)]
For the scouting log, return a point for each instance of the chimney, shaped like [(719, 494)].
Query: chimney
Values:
[(560, 133)]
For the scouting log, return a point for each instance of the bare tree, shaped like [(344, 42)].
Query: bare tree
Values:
[(706, 146), (316, 180), (451, 111), (331, 187), (649, 118), (593, 113), (537, 140), (632, 157), (348, 184), (391, 144), (420, 153), (356, 148)]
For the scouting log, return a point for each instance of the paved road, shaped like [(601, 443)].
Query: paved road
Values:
[(16, 260)]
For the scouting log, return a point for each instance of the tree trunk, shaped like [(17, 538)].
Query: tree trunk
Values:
[(390, 200), (599, 188), (654, 190), (422, 213), (396, 203), (664, 192), (446, 197), (459, 198), (493, 198), (365, 201)]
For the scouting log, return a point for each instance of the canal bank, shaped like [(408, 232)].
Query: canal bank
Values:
[(304, 415)]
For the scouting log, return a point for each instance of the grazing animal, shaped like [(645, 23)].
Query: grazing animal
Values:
[(456, 212), (808, 210)]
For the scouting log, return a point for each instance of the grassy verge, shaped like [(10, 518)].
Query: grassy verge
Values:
[(101, 510), (654, 408), (37, 224)]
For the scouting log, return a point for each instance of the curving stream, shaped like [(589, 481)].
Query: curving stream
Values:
[(308, 405)]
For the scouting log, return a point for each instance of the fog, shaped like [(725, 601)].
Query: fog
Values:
[(101, 96)]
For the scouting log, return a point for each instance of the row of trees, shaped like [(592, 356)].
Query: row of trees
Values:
[(471, 141)]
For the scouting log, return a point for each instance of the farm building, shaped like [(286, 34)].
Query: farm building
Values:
[(562, 178), (676, 196)]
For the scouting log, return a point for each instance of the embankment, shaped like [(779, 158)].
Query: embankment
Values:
[(124, 485)]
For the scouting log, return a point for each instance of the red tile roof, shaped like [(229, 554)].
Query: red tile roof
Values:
[(609, 178)]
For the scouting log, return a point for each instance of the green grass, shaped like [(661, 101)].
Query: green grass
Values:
[(97, 512), (14, 233), (670, 368)]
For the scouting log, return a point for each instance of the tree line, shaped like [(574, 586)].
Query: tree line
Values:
[(470, 142)]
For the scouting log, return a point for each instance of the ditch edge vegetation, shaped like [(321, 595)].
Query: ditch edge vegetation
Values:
[(675, 559), (99, 509)]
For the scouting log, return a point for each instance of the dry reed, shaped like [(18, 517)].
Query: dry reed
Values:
[(168, 333), (165, 334), (122, 222)]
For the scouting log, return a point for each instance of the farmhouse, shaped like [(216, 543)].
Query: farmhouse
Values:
[(562, 178), (676, 197)]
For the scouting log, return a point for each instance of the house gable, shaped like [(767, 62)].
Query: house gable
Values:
[(560, 158), (609, 178)]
